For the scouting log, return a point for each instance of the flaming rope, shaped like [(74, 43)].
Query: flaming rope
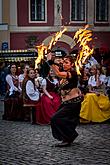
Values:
[(83, 37), (42, 49), (56, 37)]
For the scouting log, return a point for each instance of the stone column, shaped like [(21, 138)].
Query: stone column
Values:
[(90, 14), (13, 12), (57, 12)]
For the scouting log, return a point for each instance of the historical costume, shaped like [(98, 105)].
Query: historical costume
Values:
[(30, 93), (49, 102), (12, 101), (96, 104), (65, 120), (95, 108)]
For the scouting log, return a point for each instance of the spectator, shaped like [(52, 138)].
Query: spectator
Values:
[(3, 72), (30, 92), (50, 100), (23, 75), (12, 105), (96, 105)]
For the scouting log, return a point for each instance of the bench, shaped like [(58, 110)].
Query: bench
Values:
[(31, 107)]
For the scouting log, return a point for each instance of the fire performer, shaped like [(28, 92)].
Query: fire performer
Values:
[(65, 120)]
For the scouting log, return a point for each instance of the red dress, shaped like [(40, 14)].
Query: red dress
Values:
[(47, 107)]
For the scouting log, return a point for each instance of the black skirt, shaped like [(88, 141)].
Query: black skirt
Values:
[(65, 120)]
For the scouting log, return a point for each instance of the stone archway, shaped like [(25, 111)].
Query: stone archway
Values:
[(65, 38)]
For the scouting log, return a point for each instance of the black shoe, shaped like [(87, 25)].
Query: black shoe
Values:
[(63, 144)]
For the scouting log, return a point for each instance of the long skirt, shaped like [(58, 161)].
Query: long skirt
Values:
[(95, 108), (46, 108), (65, 120), (13, 109)]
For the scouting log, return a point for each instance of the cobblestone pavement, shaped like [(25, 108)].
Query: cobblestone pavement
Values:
[(24, 144)]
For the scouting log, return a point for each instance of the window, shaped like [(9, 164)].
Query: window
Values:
[(101, 10), (77, 10), (37, 10)]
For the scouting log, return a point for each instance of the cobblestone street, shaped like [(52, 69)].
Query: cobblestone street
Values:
[(24, 144)]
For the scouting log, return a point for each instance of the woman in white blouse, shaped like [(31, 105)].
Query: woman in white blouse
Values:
[(12, 79), (12, 105), (50, 99), (30, 93), (97, 79), (29, 89), (23, 75)]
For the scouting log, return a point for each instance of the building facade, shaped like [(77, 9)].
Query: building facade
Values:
[(24, 19)]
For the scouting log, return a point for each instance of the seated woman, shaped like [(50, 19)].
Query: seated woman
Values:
[(96, 105), (22, 75), (30, 92), (12, 104), (50, 99)]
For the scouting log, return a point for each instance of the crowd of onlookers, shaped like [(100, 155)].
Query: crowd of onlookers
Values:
[(32, 87), (39, 88), (95, 84)]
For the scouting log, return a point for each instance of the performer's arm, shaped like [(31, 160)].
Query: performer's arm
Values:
[(55, 68)]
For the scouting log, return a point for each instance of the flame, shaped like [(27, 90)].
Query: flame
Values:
[(56, 37), (83, 37), (42, 49)]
